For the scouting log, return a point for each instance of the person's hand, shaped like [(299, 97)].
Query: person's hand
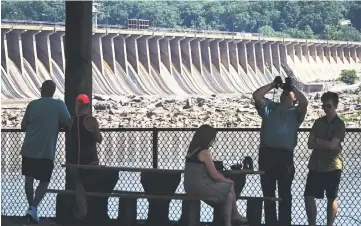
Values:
[(229, 180)]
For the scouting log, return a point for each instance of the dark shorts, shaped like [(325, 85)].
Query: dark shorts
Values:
[(319, 182), (40, 169)]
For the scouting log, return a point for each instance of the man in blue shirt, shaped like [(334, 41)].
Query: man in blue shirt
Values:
[(42, 121), (280, 123)]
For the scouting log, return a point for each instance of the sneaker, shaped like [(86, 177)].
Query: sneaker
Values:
[(32, 215)]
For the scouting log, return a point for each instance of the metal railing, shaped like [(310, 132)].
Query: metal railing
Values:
[(166, 148)]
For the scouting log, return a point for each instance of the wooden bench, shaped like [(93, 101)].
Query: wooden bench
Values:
[(254, 204)]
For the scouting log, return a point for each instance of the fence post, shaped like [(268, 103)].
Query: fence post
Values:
[(155, 148)]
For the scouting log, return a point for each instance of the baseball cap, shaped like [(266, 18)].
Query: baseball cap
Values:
[(83, 98)]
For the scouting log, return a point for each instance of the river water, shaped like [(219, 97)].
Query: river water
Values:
[(134, 149)]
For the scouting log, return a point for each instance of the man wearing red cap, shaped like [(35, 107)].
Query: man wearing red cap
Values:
[(42, 121)]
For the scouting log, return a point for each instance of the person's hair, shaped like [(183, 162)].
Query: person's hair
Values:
[(330, 96), (202, 137), (48, 88)]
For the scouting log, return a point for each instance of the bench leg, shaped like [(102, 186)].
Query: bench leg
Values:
[(190, 213), (254, 212), (127, 212), (194, 210)]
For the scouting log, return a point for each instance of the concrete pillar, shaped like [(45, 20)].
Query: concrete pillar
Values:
[(176, 53), (109, 50), (143, 52), (251, 55), (260, 56), (340, 53), (186, 53), (284, 50), (233, 54), (224, 53), (97, 48), (57, 49), (215, 55), (327, 52), (276, 58), (306, 51), (196, 54), (267, 55), (358, 53), (120, 49), (353, 53), (242, 55), (78, 50), (43, 49), (154, 52), (29, 48), (320, 52), (132, 51), (313, 51), (347, 53), (206, 54), (334, 52), (290, 48), (165, 51), (4, 48), (298, 51)]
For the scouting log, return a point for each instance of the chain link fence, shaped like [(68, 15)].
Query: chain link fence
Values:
[(166, 149)]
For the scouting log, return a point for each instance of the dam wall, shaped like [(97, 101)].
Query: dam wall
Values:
[(146, 62)]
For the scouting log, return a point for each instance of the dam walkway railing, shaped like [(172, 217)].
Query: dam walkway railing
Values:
[(165, 148)]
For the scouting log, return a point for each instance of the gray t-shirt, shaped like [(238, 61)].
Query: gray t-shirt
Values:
[(279, 125), (42, 121)]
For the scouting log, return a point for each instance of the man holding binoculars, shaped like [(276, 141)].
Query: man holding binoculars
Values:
[(280, 123)]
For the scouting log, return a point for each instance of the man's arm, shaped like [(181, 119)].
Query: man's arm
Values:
[(260, 100), (302, 104), (92, 125), (64, 116), (312, 138), (259, 94), (25, 121), (335, 143)]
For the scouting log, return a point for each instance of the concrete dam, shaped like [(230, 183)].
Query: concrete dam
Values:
[(165, 62)]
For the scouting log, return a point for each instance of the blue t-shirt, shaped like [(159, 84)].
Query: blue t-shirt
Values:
[(279, 125), (42, 121)]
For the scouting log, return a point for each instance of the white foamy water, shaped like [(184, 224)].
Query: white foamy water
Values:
[(16, 85)]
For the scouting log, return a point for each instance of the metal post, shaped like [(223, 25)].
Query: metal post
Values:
[(78, 55), (155, 148)]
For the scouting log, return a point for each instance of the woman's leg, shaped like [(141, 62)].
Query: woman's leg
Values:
[(227, 208), (235, 213)]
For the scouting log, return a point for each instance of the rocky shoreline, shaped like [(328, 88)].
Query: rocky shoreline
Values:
[(216, 110)]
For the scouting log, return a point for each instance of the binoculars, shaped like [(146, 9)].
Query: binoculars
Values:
[(286, 86)]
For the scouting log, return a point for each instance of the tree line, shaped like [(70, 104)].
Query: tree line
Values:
[(332, 20)]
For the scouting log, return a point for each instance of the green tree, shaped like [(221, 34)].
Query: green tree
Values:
[(349, 76)]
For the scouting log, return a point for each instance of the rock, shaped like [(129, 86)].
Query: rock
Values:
[(13, 117), (317, 96), (137, 99), (97, 97), (101, 106), (189, 103)]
